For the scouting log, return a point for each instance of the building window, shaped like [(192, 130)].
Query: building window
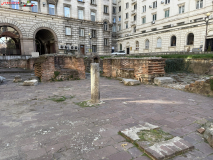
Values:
[(66, 11), (119, 8), (134, 29), (120, 47), (93, 33), (114, 19), (114, 10), (167, 1), (35, 6), (144, 9), (81, 32), (135, 17), (114, 28), (147, 44), (126, 25), (68, 31), (127, 5), (154, 17), (105, 9), (93, 16), (80, 0), (159, 43), (155, 4), (199, 4), (94, 48), (137, 45), (105, 26), (93, 2), (105, 41), (181, 9), (119, 27), (166, 13), (190, 39), (143, 20), (119, 18), (173, 41), (135, 6), (15, 4), (80, 14), (52, 9), (127, 15)]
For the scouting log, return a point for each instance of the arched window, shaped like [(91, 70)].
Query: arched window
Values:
[(159, 43), (105, 26), (173, 41), (147, 44), (137, 45), (190, 39)]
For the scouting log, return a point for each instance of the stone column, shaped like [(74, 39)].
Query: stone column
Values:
[(95, 76)]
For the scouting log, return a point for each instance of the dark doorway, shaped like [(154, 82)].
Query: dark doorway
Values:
[(45, 42), (209, 45), (82, 49), (127, 51), (9, 41)]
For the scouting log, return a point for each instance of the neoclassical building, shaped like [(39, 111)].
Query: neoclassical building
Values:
[(164, 25), (51, 25)]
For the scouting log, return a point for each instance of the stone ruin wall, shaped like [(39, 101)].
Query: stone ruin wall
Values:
[(145, 69), (92, 59), (45, 66)]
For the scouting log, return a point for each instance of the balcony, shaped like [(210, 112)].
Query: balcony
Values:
[(133, 23), (134, 1), (134, 11)]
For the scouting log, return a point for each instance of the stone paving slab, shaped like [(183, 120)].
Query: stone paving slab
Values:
[(160, 150)]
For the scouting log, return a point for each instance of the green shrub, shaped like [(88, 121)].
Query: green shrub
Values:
[(56, 74), (211, 84), (176, 65)]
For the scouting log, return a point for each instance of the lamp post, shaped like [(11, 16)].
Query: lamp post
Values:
[(207, 21), (90, 37)]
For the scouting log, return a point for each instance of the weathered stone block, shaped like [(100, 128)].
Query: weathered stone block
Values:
[(130, 82), (17, 79), (2, 79), (30, 83), (208, 134), (163, 80)]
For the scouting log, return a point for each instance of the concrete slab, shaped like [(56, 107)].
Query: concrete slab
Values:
[(163, 80), (33, 82), (130, 82)]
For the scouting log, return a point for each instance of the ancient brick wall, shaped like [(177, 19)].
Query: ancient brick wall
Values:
[(92, 59), (46, 65), (145, 69)]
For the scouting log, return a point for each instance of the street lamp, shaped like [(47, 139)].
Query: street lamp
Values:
[(207, 21), (90, 37)]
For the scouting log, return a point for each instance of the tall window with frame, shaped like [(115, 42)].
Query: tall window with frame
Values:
[(114, 10), (81, 32), (135, 17), (35, 6), (147, 44), (105, 41), (155, 4), (94, 48), (15, 4), (52, 9), (92, 2), (93, 33), (93, 16), (114, 28), (199, 4), (127, 15), (143, 20), (135, 6), (144, 9), (68, 31), (105, 26), (119, 8), (119, 27), (126, 25), (159, 43), (114, 19), (80, 14), (167, 1), (119, 18), (105, 9), (167, 13), (154, 17), (137, 45), (66, 11), (127, 5), (134, 29), (181, 9)]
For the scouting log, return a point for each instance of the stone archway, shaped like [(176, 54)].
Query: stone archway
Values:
[(45, 41)]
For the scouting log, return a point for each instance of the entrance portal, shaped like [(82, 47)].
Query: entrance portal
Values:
[(127, 51), (209, 44), (45, 42), (9, 41), (82, 49)]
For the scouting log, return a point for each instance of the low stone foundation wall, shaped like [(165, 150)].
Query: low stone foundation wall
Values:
[(203, 87), (14, 63), (145, 69), (93, 59), (63, 67)]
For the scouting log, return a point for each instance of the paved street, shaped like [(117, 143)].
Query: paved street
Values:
[(33, 127)]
